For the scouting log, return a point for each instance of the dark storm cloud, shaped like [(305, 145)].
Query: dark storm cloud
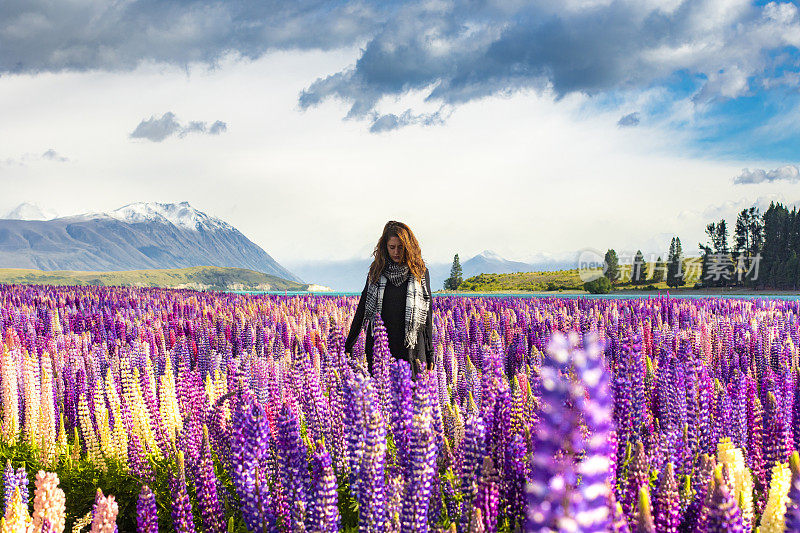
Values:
[(56, 35), (453, 52), (157, 129)]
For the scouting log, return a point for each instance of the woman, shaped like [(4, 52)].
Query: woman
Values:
[(395, 288)]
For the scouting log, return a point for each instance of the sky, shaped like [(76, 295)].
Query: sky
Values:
[(531, 128)]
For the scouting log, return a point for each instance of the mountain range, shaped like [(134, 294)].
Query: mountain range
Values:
[(350, 275), (145, 235), (151, 235)]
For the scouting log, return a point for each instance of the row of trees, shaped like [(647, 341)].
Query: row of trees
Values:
[(670, 270), (762, 253)]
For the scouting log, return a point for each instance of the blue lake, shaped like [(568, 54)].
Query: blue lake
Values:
[(549, 295)]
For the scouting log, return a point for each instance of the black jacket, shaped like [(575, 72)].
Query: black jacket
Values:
[(393, 312)]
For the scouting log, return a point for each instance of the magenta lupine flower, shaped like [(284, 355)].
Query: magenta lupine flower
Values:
[(667, 506), (146, 512), (796, 411), (755, 437), (487, 500), (638, 477), (723, 515), (324, 507), (208, 503), (644, 514), (181, 510)]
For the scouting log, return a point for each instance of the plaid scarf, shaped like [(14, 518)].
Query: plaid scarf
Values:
[(417, 300)]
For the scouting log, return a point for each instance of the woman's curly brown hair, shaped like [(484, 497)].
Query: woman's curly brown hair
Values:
[(412, 255)]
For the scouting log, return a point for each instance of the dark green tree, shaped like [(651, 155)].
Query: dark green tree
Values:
[(658, 271), (639, 268), (705, 251), (675, 273), (612, 266), (454, 280)]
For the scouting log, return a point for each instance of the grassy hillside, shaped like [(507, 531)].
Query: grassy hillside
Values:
[(561, 280), (200, 278)]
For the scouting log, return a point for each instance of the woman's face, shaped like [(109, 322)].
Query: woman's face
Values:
[(395, 248)]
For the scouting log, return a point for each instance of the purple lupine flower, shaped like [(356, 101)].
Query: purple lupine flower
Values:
[(208, 503), (724, 515), (516, 474), (775, 451), (324, 508), (22, 483), (472, 453), (10, 482), (796, 411), (250, 445), (181, 510), (292, 458), (422, 460), (695, 516), (596, 467), (755, 437), (551, 476), (146, 512), (372, 488), (667, 506), (401, 411)]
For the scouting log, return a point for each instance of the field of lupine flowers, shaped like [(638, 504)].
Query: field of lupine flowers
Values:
[(162, 410)]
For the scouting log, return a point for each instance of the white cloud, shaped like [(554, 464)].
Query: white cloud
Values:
[(523, 175), (789, 173)]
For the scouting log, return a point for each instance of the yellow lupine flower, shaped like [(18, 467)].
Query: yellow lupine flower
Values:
[(140, 414), (773, 518), (8, 377), (17, 519), (47, 415), (89, 436), (168, 407), (741, 479)]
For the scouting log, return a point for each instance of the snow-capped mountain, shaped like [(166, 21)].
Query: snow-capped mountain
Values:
[(28, 211), (181, 215), (134, 237)]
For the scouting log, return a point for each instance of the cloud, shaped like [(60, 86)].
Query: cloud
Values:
[(158, 129), (52, 155), (467, 51), (785, 173), (24, 159), (391, 121), (631, 119), (454, 51)]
